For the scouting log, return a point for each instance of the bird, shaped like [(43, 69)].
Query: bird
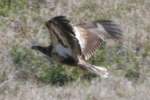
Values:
[(74, 45)]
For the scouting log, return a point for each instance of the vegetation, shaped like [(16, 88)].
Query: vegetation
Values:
[(27, 74)]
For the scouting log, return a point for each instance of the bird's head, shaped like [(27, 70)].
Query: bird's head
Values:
[(45, 50)]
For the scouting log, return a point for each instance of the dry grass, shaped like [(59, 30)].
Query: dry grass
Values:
[(116, 89), (24, 26)]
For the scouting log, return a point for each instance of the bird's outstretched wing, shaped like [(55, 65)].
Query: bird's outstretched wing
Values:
[(88, 41), (61, 31), (91, 35)]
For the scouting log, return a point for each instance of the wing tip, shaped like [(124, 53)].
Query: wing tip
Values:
[(111, 27)]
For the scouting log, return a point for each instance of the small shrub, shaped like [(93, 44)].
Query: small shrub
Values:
[(55, 75), (27, 61), (132, 74), (30, 64)]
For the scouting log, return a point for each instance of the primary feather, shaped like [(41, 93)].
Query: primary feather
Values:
[(74, 44), (91, 35)]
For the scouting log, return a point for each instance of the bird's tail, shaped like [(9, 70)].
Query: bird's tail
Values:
[(100, 71)]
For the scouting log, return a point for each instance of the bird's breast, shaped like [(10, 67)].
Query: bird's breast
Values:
[(62, 54), (62, 51)]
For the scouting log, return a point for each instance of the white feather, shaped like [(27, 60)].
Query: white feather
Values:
[(81, 40), (62, 51), (101, 29)]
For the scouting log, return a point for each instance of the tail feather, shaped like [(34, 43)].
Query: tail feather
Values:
[(100, 71)]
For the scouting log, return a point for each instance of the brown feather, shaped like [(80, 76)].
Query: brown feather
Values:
[(92, 42), (95, 33), (61, 31)]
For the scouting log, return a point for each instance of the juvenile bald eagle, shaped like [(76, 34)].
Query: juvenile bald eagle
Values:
[(74, 44)]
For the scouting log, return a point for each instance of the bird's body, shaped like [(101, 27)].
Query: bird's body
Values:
[(74, 45), (63, 55)]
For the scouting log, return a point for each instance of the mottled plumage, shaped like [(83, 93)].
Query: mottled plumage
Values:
[(75, 44)]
